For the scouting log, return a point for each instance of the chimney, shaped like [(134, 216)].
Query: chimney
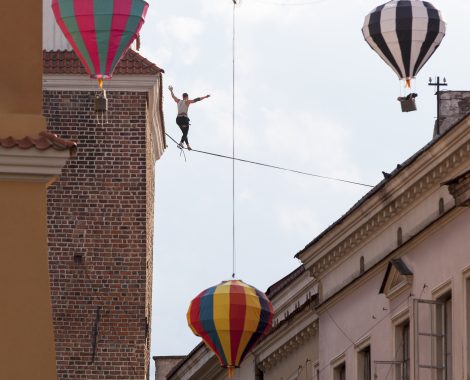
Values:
[(453, 106)]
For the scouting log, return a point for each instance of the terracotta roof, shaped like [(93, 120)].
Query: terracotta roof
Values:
[(45, 141), (67, 62)]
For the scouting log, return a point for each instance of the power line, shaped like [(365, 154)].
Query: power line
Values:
[(290, 3), (352, 344), (233, 142), (274, 166), (339, 327), (390, 312)]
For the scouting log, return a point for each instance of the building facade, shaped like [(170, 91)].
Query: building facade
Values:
[(164, 364), (390, 279), (101, 213), (290, 349), (30, 160), (393, 273)]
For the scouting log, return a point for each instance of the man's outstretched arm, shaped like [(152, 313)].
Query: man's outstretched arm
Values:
[(172, 94), (199, 99)]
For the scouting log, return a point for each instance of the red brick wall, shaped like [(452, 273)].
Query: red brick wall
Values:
[(100, 217)]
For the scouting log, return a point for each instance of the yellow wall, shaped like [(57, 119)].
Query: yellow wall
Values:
[(26, 334), (21, 68), (27, 341)]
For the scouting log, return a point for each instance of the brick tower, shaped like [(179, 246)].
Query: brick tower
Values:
[(100, 214)]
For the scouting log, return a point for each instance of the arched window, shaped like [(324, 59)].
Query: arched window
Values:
[(399, 236), (441, 206)]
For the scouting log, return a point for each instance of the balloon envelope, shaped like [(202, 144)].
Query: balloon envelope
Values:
[(100, 31), (404, 33), (231, 318)]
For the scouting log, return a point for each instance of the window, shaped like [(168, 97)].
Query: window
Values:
[(402, 347), (364, 364), (259, 375), (468, 327), (316, 371), (441, 206), (433, 338), (339, 372), (399, 236), (446, 345)]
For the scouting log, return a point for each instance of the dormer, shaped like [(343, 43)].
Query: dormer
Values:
[(397, 279)]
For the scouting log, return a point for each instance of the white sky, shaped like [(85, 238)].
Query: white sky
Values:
[(311, 95)]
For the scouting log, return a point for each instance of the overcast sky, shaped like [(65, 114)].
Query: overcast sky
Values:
[(310, 95)]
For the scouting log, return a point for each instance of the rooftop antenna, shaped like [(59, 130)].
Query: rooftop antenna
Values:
[(438, 85)]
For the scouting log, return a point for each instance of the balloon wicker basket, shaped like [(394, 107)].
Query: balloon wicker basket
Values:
[(408, 103), (230, 372), (101, 108)]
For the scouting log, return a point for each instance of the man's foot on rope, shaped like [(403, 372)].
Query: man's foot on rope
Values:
[(180, 145), (188, 147)]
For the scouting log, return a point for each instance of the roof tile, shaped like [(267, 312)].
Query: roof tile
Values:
[(67, 62), (45, 141)]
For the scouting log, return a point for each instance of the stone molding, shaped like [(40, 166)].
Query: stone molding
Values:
[(397, 206), (381, 266), (394, 289), (197, 365), (77, 82), (289, 347), (459, 188), (34, 165)]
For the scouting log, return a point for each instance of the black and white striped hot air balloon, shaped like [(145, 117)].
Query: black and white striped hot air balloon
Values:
[(404, 33)]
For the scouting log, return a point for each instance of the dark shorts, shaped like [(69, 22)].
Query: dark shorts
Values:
[(182, 121)]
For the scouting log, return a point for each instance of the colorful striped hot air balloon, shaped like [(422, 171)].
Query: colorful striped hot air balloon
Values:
[(230, 318), (100, 31)]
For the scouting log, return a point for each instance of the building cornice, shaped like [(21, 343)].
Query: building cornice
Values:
[(35, 165), (196, 364), (78, 82), (299, 293), (288, 335), (284, 343), (380, 266), (459, 188), (437, 162)]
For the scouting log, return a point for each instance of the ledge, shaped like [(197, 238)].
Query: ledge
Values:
[(289, 347), (32, 164), (459, 188), (79, 82), (434, 165)]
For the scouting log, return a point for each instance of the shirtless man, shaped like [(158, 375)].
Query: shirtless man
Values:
[(182, 119)]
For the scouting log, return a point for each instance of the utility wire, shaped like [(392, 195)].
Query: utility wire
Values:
[(339, 327), (290, 3), (352, 344), (274, 166), (233, 143), (390, 312)]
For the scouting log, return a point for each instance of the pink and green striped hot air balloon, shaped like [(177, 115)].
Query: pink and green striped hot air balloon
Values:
[(100, 31)]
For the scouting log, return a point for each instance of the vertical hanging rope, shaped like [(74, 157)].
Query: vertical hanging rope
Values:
[(233, 144)]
